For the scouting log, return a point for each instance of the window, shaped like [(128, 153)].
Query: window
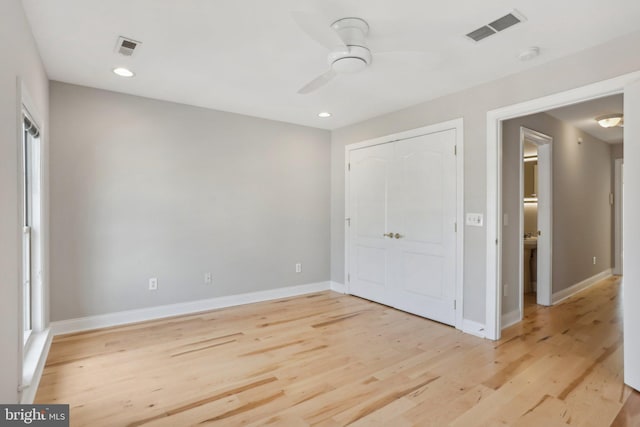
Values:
[(31, 221)]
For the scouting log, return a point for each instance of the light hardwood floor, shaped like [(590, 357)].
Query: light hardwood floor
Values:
[(333, 360)]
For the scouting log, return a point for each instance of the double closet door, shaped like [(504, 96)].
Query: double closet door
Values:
[(402, 227)]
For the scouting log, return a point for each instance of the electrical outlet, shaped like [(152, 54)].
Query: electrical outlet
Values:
[(153, 284), (594, 260), (208, 279), (298, 268)]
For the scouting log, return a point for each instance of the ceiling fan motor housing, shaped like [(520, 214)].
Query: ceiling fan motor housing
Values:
[(357, 56), (355, 59)]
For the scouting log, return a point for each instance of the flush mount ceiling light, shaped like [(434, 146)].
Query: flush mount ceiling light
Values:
[(123, 72), (324, 114), (610, 120)]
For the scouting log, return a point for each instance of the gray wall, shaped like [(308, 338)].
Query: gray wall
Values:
[(144, 188), (582, 214), (20, 58), (592, 65)]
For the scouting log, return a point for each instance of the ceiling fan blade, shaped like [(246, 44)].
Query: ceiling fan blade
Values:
[(318, 82), (319, 30)]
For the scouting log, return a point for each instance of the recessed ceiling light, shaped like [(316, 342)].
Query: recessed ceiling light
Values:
[(324, 114), (610, 120), (123, 72)]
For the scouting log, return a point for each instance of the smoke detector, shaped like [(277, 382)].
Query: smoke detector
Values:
[(529, 53)]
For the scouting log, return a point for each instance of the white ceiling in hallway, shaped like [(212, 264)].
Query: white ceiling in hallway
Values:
[(583, 116), (250, 57)]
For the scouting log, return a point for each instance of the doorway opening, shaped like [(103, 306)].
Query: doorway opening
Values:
[(535, 216), (495, 241)]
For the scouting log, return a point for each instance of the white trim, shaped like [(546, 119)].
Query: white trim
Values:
[(544, 144), (170, 310), (511, 318), (33, 365), (473, 328), (458, 126), (338, 287), (580, 286), (494, 158), (411, 133), (617, 210)]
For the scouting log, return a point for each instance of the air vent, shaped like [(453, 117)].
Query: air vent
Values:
[(505, 22), (481, 33), (126, 46), (500, 24)]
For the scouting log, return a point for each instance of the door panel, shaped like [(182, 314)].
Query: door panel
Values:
[(425, 279), (411, 187), (369, 255)]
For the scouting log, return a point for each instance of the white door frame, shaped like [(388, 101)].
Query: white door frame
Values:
[(457, 125), (494, 177), (545, 223), (618, 264)]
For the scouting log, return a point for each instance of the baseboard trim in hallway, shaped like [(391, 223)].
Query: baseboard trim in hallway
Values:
[(580, 286)]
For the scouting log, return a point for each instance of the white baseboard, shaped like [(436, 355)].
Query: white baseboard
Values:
[(574, 289), (33, 365), (338, 287), (170, 310), (473, 328), (510, 318)]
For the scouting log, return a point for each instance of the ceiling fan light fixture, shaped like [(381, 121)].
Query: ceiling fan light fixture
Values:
[(349, 64), (610, 120)]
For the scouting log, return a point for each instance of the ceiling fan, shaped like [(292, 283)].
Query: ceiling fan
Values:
[(346, 39)]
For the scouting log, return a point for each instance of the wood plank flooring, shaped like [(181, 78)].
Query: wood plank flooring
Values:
[(328, 359)]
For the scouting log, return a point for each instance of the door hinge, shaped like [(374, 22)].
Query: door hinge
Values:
[(455, 305), (349, 166), (348, 277), (455, 227), (496, 242), (455, 150), (348, 222)]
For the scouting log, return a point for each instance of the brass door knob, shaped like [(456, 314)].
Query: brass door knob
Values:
[(398, 235), (390, 235)]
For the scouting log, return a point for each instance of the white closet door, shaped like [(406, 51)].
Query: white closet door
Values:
[(405, 190), (423, 212), (369, 248)]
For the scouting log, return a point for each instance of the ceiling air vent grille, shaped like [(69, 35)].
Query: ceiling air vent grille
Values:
[(126, 46), (500, 24)]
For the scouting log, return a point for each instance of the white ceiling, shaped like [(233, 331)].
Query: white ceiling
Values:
[(250, 57), (583, 117)]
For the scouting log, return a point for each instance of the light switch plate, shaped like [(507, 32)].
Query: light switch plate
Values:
[(475, 219)]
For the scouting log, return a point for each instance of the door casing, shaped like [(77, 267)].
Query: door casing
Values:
[(616, 85)]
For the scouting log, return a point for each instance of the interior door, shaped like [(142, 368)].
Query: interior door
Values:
[(402, 235), (370, 170), (423, 213)]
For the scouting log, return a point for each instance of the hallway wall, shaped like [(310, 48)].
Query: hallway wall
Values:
[(582, 214)]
